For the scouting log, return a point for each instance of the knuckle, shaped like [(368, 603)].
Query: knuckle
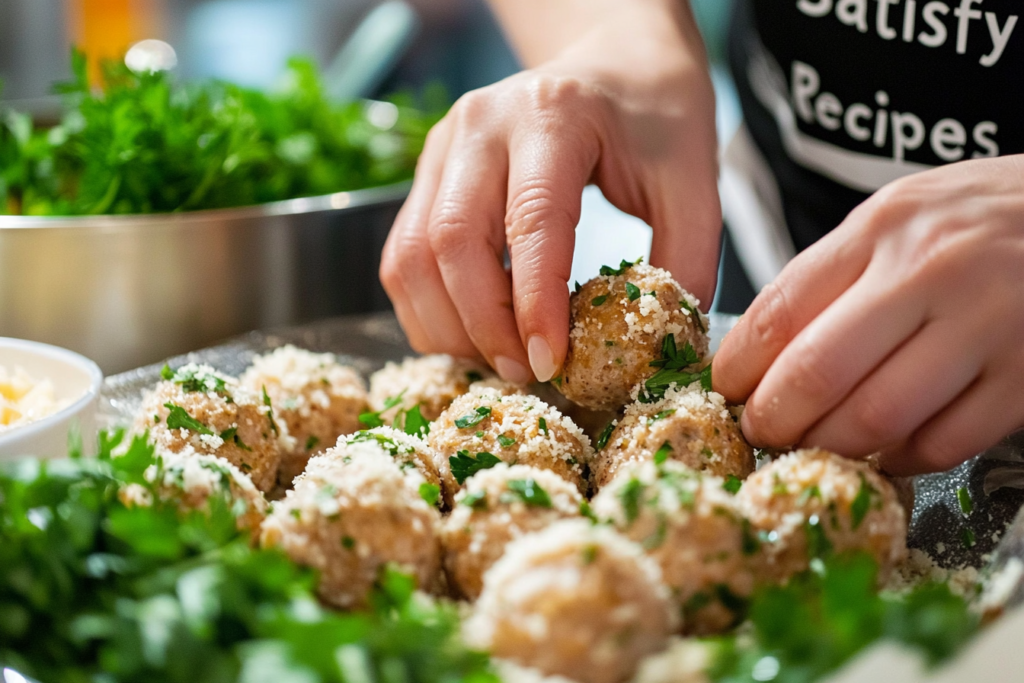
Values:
[(534, 208), (448, 229), (931, 452), (473, 108), (773, 321), (876, 421), (809, 375)]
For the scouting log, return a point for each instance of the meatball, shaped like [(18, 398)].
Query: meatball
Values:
[(347, 520), (692, 527), (619, 325), (199, 408), (315, 396), (430, 382), (576, 600), (412, 455), (480, 429), (497, 506), (689, 425), (811, 502), (192, 480)]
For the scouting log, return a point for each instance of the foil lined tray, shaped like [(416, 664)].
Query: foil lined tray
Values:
[(988, 537)]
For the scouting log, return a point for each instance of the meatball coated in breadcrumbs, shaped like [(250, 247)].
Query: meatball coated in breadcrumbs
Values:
[(210, 413), (410, 453), (515, 429), (811, 502), (576, 600), (192, 480), (496, 506), (692, 527), (348, 520), (618, 326), (315, 396), (688, 425), (430, 382)]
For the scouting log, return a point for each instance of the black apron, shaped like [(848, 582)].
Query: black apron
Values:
[(842, 96)]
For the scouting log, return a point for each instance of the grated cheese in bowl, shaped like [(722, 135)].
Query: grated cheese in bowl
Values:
[(24, 399)]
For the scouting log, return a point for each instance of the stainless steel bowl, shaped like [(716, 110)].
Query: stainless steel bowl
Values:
[(129, 290)]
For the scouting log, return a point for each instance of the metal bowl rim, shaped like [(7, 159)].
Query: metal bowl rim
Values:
[(337, 201)]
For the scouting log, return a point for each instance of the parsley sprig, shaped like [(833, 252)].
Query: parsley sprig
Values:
[(675, 367), (464, 465), (527, 491), (624, 265)]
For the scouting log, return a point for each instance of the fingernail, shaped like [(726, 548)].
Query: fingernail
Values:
[(511, 371), (541, 358)]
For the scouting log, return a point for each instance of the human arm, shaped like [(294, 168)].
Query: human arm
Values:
[(619, 95), (900, 331)]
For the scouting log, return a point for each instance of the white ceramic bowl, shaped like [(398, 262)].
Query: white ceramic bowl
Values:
[(76, 380)]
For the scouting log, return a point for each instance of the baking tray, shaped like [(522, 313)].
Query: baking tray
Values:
[(994, 479)]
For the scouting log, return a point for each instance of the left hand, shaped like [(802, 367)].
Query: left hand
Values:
[(902, 331)]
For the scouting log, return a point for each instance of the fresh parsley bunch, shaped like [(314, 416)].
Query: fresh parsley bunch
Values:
[(93, 591), (144, 143)]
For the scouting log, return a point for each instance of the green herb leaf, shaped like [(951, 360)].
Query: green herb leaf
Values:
[(476, 500), (542, 424), (598, 300), (623, 267), (694, 315), (465, 465), (430, 493), (862, 501), (632, 291), (662, 454), (178, 418), (732, 484), (231, 436), (629, 498), (506, 441), (606, 433), (270, 410), (312, 442), (528, 491), (414, 423), (473, 419), (963, 496)]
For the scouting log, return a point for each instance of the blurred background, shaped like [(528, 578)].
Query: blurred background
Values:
[(455, 43)]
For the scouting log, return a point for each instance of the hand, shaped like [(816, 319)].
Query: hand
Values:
[(506, 169), (901, 331)]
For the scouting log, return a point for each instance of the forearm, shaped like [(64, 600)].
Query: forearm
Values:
[(628, 33)]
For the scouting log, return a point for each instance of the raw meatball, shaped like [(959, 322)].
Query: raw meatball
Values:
[(576, 600), (619, 324), (430, 382), (497, 506), (199, 408), (811, 502), (410, 453), (480, 429), (692, 527), (191, 480), (315, 396), (698, 427), (347, 520)]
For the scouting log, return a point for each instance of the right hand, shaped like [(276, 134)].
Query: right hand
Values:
[(506, 169)]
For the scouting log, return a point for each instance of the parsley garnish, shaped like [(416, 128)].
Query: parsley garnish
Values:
[(373, 419), (312, 442), (414, 423), (732, 483), (179, 419), (818, 545), (598, 300), (542, 424), (506, 441), (474, 418), (476, 500), (347, 542), (430, 493), (623, 267), (528, 491), (606, 433), (750, 543), (192, 379), (473, 376), (465, 465), (629, 497), (270, 410), (862, 502), (694, 315), (963, 496), (231, 436), (586, 511), (577, 286), (632, 291), (609, 342), (967, 536), (672, 369), (663, 414), (661, 455)]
